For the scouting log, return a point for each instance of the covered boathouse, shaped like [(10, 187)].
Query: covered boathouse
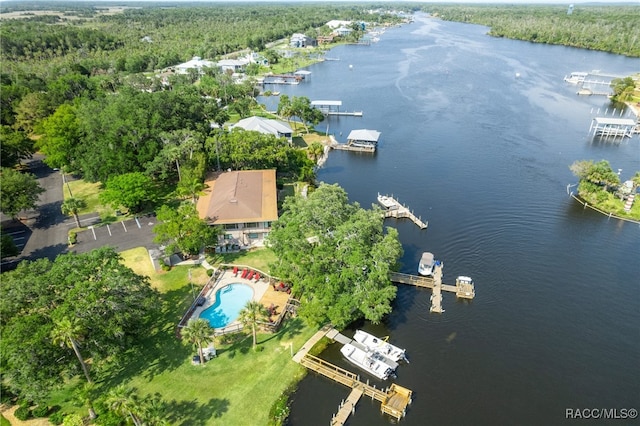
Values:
[(614, 127), (363, 138)]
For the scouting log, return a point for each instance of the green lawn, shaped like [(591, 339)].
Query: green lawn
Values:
[(239, 384), (89, 192), (257, 258)]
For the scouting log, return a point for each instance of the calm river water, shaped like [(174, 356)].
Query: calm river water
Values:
[(477, 137)]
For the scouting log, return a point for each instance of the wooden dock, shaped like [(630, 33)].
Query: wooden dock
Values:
[(393, 400), (393, 208), (354, 148), (464, 288)]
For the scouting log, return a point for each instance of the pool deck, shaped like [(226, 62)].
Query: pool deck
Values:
[(262, 292)]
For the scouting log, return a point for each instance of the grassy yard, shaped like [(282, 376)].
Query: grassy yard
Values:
[(239, 384), (89, 192), (256, 258)]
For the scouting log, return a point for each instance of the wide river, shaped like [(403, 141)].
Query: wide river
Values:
[(477, 137)]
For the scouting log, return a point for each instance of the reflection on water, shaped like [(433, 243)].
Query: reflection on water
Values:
[(484, 157)]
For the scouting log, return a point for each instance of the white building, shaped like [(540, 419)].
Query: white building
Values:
[(277, 128), (196, 63)]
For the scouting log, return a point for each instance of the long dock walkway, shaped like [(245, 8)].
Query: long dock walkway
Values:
[(393, 208), (394, 400)]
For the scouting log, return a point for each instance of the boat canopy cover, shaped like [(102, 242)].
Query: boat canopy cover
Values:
[(427, 258)]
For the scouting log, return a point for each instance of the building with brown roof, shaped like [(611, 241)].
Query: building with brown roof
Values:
[(243, 203)]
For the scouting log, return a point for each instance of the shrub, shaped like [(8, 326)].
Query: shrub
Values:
[(56, 418), (40, 411), (73, 237), (165, 267), (22, 413), (209, 272)]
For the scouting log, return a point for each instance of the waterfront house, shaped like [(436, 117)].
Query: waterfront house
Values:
[(333, 24), (268, 126), (233, 65), (342, 31), (302, 40), (196, 63), (244, 204)]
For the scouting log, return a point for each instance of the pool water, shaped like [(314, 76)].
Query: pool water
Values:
[(229, 302)]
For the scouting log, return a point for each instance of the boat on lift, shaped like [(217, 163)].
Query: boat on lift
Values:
[(384, 348), (371, 362)]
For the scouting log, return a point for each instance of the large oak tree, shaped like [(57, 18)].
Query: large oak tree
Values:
[(337, 256), (107, 304)]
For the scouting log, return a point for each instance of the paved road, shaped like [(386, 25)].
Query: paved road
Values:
[(44, 232)]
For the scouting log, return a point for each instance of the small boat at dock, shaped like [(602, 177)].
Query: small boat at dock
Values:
[(371, 362), (576, 77), (426, 265), (375, 344)]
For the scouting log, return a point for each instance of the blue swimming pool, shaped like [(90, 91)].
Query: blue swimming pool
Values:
[(229, 302)]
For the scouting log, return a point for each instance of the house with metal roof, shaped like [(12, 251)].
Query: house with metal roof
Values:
[(233, 65), (267, 126), (302, 40), (196, 63), (243, 203)]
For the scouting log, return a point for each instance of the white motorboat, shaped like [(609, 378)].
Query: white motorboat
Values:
[(384, 348), (576, 77), (426, 265), (371, 362)]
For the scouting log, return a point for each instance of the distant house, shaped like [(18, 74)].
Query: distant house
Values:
[(325, 39), (265, 125), (337, 24), (233, 65), (342, 31), (244, 204), (301, 40), (196, 63)]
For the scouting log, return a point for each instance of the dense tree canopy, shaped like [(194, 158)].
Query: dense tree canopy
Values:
[(18, 191), (182, 229), (104, 305), (15, 146), (608, 28), (130, 190), (337, 256)]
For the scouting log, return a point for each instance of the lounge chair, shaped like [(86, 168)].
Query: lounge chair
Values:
[(250, 276), (235, 271), (245, 271), (257, 277)]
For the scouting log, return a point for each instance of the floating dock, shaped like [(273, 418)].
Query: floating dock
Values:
[(393, 208), (393, 400)]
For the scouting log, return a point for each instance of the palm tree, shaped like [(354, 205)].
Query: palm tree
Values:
[(84, 395), (71, 207), (67, 333), (123, 401), (193, 188), (198, 332), (316, 149), (251, 314)]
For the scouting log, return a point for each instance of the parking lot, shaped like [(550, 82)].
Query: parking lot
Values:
[(125, 235)]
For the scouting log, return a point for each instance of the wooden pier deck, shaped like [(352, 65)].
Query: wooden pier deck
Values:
[(394, 400), (354, 148), (347, 407), (464, 288), (393, 208)]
